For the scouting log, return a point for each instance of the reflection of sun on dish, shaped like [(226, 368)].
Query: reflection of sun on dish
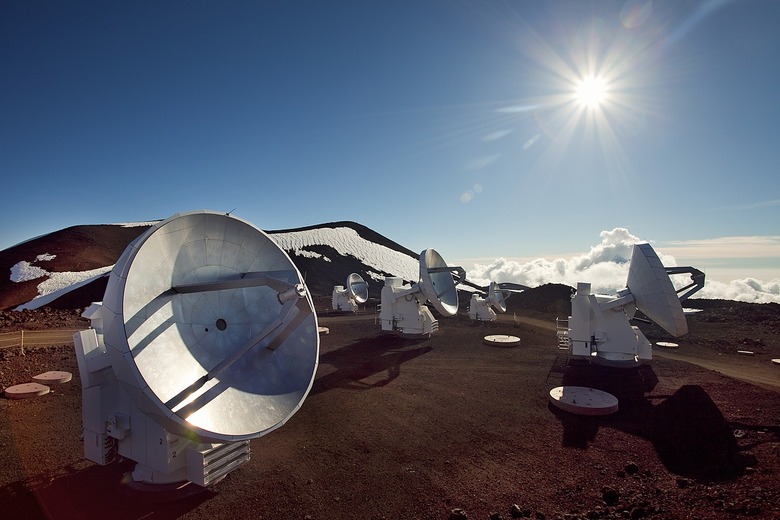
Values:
[(591, 91)]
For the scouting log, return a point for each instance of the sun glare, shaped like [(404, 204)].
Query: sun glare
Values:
[(591, 92)]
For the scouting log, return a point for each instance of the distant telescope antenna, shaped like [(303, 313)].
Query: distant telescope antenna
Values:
[(403, 308), (599, 327), (347, 299), (206, 338), (485, 308)]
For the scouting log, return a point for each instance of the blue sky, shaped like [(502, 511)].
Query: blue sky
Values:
[(443, 124)]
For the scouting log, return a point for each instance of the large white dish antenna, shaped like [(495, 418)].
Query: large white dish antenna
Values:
[(653, 291), (437, 283), (599, 327), (403, 308), (357, 287), (209, 328)]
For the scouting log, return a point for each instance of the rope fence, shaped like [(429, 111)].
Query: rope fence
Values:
[(36, 338)]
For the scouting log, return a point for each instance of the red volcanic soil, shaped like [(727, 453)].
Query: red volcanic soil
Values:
[(447, 427)]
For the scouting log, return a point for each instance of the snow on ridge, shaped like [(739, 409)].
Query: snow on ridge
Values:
[(136, 224), (60, 285), (348, 242), (375, 276), (310, 254), (24, 271), (59, 281), (55, 284), (66, 280)]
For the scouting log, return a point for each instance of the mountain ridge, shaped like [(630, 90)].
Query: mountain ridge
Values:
[(83, 248)]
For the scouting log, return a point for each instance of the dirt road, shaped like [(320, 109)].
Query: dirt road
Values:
[(758, 370)]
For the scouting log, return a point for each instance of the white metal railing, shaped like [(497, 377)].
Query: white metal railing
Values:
[(562, 331), (36, 338)]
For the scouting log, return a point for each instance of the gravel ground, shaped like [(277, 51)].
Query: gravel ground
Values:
[(447, 427)]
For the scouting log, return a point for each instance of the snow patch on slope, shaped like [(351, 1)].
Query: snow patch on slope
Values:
[(310, 254), (25, 271), (56, 284), (348, 242)]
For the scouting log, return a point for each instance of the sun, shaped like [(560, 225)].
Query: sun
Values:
[(591, 92)]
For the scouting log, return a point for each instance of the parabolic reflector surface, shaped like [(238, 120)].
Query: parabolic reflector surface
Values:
[(653, 291), (198, 333), (358, 288), (497, 297), (437, 284)]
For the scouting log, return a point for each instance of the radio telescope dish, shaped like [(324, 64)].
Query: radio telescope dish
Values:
[(209, 331), (497, 298), (599, 328), (484, 309), (653, 291), (403, 308), (358, 288), (348, 299), (437, 283)]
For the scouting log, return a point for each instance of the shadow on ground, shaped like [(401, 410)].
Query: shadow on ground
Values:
[(367, 357), (95, 492), (689, 432)]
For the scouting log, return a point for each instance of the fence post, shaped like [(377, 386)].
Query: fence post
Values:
[(21, 341)]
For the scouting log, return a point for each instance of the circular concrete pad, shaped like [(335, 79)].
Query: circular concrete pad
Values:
[(582, 400), (776, 361), (53, 377), (667, 344), (26, 390), (502, 340)]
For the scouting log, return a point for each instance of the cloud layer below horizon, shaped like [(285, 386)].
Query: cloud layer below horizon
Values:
[(605, 267)]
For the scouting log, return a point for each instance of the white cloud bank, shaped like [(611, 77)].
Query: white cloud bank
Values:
[(605, 267)]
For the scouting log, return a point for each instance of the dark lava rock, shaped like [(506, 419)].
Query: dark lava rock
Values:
[(631, 468), (610, 496)]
